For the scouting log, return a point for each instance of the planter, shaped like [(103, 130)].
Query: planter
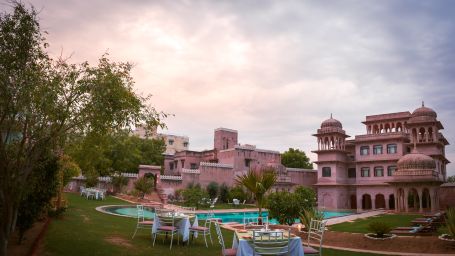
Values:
[(446, 237), (372, 236)]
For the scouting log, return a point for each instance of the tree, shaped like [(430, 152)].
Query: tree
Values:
[(212, 189), (44, 103), (144, 185), (306, 197), (451, 179), (294, 158), (284, 206), (193, 195), (258, 182)]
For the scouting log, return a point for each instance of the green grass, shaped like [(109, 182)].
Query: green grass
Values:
[(361, 225), (84, 231)]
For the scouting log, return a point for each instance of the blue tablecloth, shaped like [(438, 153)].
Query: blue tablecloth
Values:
[(244, 248), (183, 223)]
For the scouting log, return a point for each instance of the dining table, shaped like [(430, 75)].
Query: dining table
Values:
[(243, 240), (183, 221)]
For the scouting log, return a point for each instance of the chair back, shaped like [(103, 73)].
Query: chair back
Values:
[(271, 242), (189, 209), (166, 220), (164, 212), (316, 232), (220, 236), (247, 221)]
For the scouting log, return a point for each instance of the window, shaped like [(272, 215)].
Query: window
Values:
[(378, 171), (193, 166), (171, 166), (365, 172), (391, 169), (377, 149), (351, 173), (391, 148), (364, 150), (247, 162), (185, 144), (326, 172), (171, 142), (183, 162)]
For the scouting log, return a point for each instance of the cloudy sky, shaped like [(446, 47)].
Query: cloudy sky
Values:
[(273, 70)]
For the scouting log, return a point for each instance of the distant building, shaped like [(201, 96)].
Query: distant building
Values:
[(398, 164), (174, 143), (225, 161)]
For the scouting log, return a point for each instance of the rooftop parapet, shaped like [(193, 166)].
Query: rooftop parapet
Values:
[(216, 165), (387, 117)]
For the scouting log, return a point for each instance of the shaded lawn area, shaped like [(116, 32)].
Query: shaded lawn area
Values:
[(84, 231), (361, 225)]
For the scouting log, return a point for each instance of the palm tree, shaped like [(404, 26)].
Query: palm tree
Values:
[(258, 183)]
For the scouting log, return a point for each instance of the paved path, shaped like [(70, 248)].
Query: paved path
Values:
[(381, 252), (354, 217)]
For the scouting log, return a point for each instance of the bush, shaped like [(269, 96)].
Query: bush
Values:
[(237, 192), (119, 181), (193, 196), (450, 222), (212, 189), (307, 197), (144, 185), (308, 214), (224, 193), (284, 207), (379, 228)]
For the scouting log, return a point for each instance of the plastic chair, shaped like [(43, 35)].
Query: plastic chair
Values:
[(224, 251), (316, 233), (271, 242), (141, 222), (167, 226)]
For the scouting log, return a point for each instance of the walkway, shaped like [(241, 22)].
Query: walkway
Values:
[(354, 217)]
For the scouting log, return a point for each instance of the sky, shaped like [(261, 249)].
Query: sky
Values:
[(273, 70)]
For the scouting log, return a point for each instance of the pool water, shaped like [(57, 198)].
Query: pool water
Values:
[(225, 217)]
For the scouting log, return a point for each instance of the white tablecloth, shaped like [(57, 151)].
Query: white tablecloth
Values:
[(245, 249), (183, 225)]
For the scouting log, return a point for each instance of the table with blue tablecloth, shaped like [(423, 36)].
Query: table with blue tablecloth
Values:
[(183, 222)]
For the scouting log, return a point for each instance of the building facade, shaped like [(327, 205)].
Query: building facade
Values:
[(174, 143), (225, 161), (398, 164)]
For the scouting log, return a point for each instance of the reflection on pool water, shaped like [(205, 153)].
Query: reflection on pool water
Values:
[(225, 216)]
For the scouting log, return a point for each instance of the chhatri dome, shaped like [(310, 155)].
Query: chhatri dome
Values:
[(423, 114), (416, 161), (331, 123)]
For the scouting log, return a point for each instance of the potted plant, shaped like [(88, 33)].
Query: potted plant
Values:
[(379, 231), (450, 225)]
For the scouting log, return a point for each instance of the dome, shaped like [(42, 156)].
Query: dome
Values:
[(331, 122), (423, 114), (416, 161)]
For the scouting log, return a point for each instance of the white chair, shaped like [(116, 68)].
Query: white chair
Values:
[(236, 202), (141, 222), (254, 221), (205, 230), (315, 233), (271, 242), (224, 251), (167, 225)]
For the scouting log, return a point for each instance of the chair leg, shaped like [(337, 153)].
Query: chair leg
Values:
[(205, 239), (172, 240), (134, 233), (210, 234), (154, 238)]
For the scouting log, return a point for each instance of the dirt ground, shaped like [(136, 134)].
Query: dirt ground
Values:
[(30, 236), (414, 244)]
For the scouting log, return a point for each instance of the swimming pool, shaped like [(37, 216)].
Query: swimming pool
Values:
[(130, 211)]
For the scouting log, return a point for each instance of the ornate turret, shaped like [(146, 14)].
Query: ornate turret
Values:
[(331, 135)]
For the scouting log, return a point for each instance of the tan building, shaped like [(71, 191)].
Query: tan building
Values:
[(174, 143)]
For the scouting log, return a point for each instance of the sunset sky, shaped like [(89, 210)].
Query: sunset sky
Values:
[(273, 70)]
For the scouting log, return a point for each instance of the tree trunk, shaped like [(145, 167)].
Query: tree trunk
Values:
[(8, 211)]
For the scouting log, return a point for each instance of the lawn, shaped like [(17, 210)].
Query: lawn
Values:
[(361, 225), (84, 231)]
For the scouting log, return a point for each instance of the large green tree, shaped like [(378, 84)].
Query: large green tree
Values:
[(43, 101), (294, 158)]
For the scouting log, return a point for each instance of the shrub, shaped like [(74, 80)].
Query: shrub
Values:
[(224, 193), (144, 185), (212, 189), (307, 197), (379, 228), (450, 222), (308, 214), (237, 192), (119, 181), (284, 207), (193, 196)]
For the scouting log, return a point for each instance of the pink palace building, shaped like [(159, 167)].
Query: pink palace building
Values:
[(398, 164)]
